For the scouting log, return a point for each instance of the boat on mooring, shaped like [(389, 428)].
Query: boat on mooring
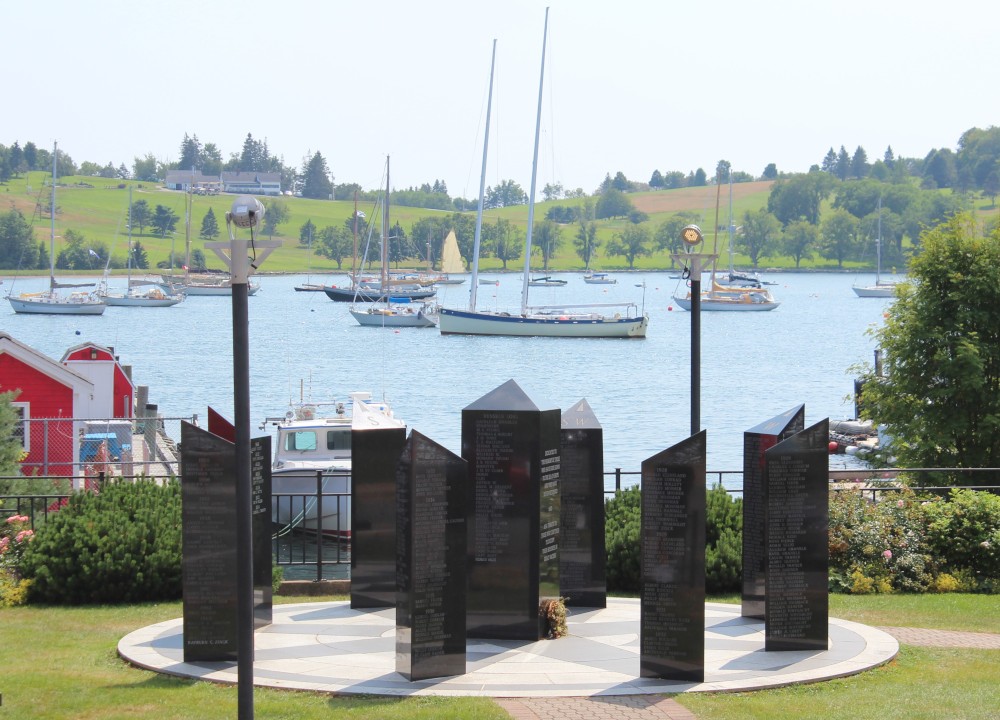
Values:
[(310, 444)]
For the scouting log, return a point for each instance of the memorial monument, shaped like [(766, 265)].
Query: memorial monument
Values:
[(375, 450), (582, 557), (672, 622), (512, 448), (208, 526), (756, 441), (796, 613), (431, 488)]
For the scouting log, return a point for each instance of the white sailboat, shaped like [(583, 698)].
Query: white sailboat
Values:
[(52, 302), (546, 321), (734, 277), (879, 289), (139, 293), (389, 311), (720, 298), (210, 284)]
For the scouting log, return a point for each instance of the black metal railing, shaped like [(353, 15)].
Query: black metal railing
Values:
[(311, 533)]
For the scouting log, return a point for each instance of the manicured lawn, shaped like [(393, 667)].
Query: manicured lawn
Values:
[(62, 663)]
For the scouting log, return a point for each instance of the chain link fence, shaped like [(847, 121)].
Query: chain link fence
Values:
[(81, 448)]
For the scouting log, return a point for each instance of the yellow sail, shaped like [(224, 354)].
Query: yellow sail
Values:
[(451, 258)]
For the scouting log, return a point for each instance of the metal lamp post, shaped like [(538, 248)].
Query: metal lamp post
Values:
[(694, 262), (246, 212)]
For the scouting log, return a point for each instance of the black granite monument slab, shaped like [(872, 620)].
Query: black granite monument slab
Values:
[(431, 489), (796, 613), (582, 561), (374, 454), (672, 620), (512, 448), (208, 527), (756, 441)]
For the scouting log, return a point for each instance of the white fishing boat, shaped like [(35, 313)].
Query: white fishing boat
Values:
[(138, 293), (308, 445), (389, 310), (879, 289), (627, 321), (52, 301)]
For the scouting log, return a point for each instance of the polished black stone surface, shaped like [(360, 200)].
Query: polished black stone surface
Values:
[(756, 441), (672, 624), (374, 454), (431, 487), (582, 560), (796, 613), (260, 487), (209, 540), (512, 449)]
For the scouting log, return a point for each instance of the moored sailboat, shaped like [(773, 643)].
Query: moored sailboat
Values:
[(879, 289), (390, 310), (51, 301), (139, 293), (547, 321), (721, 298)]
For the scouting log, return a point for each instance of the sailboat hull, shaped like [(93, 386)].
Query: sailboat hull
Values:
[(379, 317), (462, 322), (140, 301), (54, 305), (727, 305), (875, 291)]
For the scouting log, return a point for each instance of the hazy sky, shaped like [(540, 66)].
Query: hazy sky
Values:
[(630, 85)]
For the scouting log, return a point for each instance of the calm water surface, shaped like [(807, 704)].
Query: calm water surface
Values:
[(754, 365)]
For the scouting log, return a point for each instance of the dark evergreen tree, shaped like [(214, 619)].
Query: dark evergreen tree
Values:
[(859, 163), (316, 181), (164, 220), (830, 162), (210, 226), (190, 153), (141, 215)]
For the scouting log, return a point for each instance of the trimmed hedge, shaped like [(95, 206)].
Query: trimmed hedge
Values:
[(119, 545), (723, 541)]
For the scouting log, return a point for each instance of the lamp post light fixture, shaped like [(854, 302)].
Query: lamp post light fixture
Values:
[(694, 262)]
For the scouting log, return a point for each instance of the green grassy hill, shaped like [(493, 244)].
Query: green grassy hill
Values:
[(98, 208)]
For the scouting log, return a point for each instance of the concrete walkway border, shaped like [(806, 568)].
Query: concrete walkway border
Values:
[(328, 647)]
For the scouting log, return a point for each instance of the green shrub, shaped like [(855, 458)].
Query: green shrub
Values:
[(622, 518), (120, 545), (878, 547), (964, 534), (723, 540)]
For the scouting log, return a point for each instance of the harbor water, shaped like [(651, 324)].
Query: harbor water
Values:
[(754, 365)]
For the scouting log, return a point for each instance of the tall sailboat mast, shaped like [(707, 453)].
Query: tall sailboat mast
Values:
[(482, 189), (534, 176), (385, 235), (52, 221)]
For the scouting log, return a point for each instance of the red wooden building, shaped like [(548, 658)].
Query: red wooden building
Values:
[(56, 399)]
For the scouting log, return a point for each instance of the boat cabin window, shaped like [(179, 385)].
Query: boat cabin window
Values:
[(301, 441), (338, 439)]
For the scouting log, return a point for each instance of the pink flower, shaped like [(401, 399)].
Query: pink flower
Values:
[(17, 518), (887, 554), (24, 535), (4, 542), (900, 503)]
